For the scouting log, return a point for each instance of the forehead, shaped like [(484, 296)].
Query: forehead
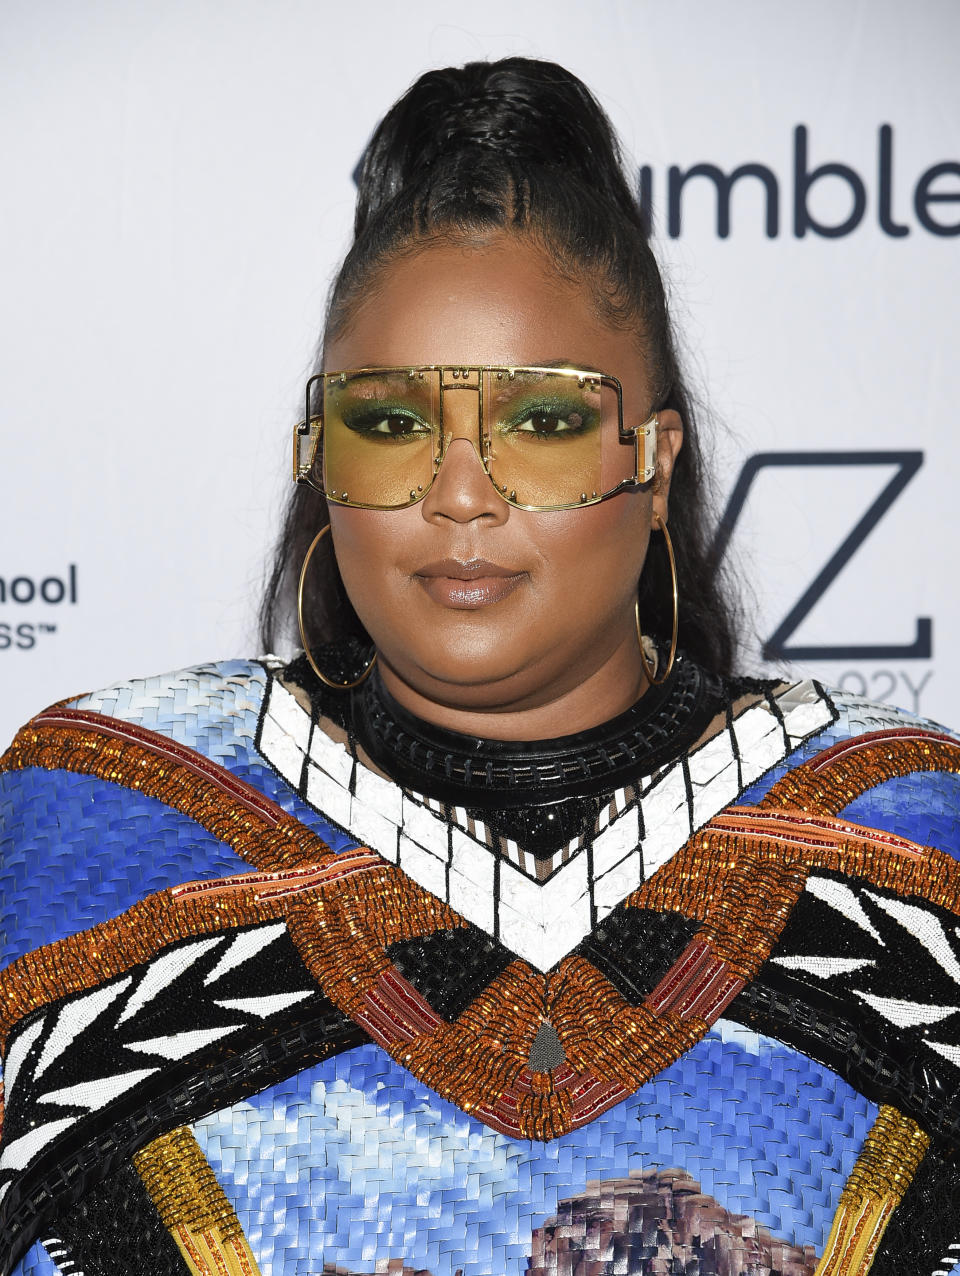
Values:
[(495, 301)]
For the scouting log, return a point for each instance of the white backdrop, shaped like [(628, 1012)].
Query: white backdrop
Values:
[(176, 192)]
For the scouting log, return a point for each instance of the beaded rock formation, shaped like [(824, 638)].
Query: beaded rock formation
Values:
[(392, 1267), (656, 1224)]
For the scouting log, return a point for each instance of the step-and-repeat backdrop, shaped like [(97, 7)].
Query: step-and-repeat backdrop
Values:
[(177, 192)]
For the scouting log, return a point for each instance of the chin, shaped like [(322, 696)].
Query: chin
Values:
[(474, 676), (477, 679)]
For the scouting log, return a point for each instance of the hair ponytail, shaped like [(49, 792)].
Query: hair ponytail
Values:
[(526, 113)]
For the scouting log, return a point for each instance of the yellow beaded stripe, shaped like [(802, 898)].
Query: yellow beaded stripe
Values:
[(888, 1160), (193, 1207)]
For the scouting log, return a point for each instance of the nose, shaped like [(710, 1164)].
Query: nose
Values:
[(462, 490)]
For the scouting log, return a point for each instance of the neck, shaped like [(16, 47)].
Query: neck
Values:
[(513, 711)]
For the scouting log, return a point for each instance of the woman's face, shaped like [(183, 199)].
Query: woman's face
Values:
[(545, 636)]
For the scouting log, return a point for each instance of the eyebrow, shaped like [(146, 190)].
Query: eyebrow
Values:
[(567, 363)]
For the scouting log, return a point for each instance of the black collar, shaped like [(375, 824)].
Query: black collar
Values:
[(471, 772)]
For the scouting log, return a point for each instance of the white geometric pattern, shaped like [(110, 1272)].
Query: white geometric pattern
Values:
[(823, 967), (163, 972), (919, 922), (96, 1094), (906, 1014), (924, 927), (30, 1057), (18, 1154), (264, 1007), (539, 921), (952, 1053), (179, 1044), (841, 897), (244, 946), (73, 1018), (21, 1047)]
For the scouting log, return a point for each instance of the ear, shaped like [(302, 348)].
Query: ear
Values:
[(669, 442)]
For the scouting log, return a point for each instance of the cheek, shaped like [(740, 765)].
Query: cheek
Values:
[(601, 548), (374, 549), (584, 565), (367, 544)]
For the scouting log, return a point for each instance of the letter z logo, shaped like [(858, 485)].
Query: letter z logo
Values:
[(776, 647)]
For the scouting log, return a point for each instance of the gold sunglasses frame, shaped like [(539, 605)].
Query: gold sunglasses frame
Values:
[(308, 433)]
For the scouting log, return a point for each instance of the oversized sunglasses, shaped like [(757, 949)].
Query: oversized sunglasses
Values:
[(547, 438)]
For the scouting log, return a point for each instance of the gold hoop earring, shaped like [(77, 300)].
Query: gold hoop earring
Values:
[(676, 614), (327, 682)]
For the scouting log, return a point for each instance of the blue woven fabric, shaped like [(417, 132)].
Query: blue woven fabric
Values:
[(921, 807), (213, 709), (37, 1262), (856, 717), (355, 1160), (76, 850)]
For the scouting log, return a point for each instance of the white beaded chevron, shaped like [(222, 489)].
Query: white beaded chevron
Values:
[(541, 921)]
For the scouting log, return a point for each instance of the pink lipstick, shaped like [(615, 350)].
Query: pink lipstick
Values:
[(469, 585)]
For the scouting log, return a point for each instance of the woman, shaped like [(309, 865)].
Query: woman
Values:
[(504, 929)]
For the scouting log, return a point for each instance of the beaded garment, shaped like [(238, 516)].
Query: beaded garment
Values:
[(296, 984)]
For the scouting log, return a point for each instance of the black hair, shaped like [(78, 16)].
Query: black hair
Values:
[(520, 145)]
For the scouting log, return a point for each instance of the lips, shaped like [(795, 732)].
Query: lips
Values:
[(467, 585)]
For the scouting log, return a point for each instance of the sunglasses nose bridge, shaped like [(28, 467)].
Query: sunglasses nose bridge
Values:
[(461, 422)]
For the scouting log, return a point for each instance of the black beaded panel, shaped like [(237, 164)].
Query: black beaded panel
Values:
[(543, 829), (838, 1017), (342, 662), (635, 947), (923, 1236), (116, 1231), (101, 1139), (451, 968), (814, 929)]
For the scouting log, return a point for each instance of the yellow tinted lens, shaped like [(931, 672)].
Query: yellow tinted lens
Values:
[(552, 438), (378, 437)]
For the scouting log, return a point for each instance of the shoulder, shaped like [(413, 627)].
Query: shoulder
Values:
[(173, 737), (857, 716), (210, 709), (206, 707), (112, 796), (861, 727), (816, 718), (872, 764), (208, 717)]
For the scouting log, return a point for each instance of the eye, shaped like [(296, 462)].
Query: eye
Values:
[(398, 423), (386, 423), (547, 422)]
